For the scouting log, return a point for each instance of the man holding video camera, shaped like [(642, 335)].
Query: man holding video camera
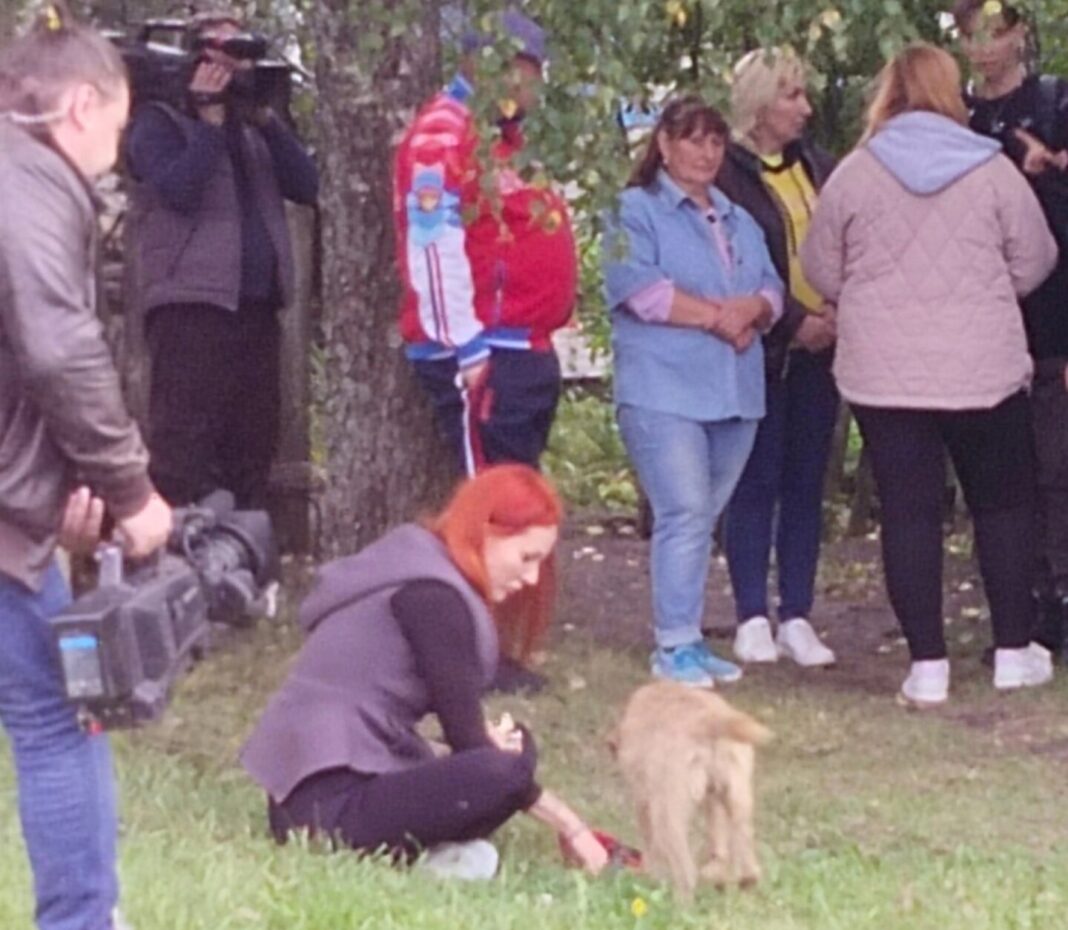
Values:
[(63, 104), (213, 266)]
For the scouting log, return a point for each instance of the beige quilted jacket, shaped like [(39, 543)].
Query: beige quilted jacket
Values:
[(927, 286)]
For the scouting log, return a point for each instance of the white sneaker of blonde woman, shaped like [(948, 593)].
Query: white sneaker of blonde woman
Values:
[(797, 640), (474, 860), (1022, 668), (927, 684), (753, 642)]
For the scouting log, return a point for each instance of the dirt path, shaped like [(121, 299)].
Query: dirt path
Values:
[(605, 594)]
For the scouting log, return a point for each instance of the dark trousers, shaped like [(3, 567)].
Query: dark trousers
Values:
[(214, 402), (786, 468), (508, 419), (993, 455), (1049, 406), (459, 797)]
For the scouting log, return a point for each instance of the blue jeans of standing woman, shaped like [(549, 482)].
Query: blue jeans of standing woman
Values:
[(688, 469), (787, 468), (65, 781)]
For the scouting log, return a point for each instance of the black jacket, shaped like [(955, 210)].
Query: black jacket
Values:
[(740, 180)]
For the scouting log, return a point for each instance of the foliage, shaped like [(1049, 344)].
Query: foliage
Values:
[(604, 51), (586, 457)]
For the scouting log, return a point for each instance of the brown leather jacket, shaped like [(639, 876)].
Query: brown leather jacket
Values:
[(62, 416)]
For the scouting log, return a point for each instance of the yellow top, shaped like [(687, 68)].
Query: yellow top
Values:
[(795, 197)]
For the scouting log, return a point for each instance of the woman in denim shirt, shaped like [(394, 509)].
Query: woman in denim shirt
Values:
[(691, 287)]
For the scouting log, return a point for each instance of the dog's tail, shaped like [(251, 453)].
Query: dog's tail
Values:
[(739, 727)]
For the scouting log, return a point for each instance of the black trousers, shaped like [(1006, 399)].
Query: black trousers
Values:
[(993, 455), (214, 401), (508, 420), (459, 797), (1049, 406)]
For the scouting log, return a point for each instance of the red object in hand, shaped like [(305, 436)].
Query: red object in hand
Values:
[(620, 855)]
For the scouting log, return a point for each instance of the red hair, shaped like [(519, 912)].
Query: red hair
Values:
[(503, 500)]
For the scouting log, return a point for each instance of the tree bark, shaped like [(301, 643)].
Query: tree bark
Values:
[(376, 61)]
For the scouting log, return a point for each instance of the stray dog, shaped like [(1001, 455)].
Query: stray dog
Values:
[(682, 749)]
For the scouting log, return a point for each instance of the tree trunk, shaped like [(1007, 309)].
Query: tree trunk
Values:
[(376, 61)]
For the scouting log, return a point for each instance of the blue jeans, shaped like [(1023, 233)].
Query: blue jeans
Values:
[(688, 470), (65, 779), (787, 468)]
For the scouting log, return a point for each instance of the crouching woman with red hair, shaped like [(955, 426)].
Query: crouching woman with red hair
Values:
[(402, 629)]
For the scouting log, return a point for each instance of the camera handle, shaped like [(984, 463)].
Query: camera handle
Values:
[(109, 559)]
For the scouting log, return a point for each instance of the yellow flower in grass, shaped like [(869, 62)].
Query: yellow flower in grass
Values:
[(992, 8), (638, 907)]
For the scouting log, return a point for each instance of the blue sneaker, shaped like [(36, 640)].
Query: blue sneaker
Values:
[(721, 670), (682, 664)]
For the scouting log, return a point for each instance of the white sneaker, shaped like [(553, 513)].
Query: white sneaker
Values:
[(927, 684), (475, 860), (1022, 668), (753, 642), (798, 641)]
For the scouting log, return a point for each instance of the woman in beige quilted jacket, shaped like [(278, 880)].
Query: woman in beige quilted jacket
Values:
[(926, 238)]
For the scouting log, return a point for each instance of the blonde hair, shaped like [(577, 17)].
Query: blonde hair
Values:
[(920, 77), (757, 79)]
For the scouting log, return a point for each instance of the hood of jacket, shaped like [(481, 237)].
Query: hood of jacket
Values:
[(927, 152), (389, 562)]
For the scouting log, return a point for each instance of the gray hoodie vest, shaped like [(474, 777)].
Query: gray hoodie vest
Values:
[(196, 258), (353, 696)]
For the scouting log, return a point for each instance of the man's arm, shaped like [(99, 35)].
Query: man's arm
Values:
[(179, 169), (63, 361), (298, 178), (429, 204)]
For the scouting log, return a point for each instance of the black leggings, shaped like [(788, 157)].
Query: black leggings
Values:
[(459, 797), (993, 456)]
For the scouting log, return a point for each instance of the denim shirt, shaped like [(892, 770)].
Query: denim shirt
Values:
[(659, 234)]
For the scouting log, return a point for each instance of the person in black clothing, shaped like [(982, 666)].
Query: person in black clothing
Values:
[(1028, 114), (400, 630), (213, 264), (775, 173)]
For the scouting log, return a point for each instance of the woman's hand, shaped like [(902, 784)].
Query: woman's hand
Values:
[(584, 849), (1037, 157), (818, 331), (738, 320), (506, 736)]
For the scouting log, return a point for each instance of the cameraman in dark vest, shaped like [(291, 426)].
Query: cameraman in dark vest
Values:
[(213, 266)]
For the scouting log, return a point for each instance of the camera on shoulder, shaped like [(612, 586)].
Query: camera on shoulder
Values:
[(162, 55)]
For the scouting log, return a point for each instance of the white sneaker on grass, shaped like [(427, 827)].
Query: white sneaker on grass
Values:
[(474, 860), (753, 642), (1022, 668), (797, 640), (927, 684)]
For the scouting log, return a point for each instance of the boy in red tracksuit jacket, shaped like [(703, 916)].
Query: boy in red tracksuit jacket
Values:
[(488, 265)]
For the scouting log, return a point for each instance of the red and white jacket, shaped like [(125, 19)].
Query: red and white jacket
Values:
[(479, 268)]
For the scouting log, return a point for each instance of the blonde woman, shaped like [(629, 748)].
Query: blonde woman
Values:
[(775, 174), (926, 238)]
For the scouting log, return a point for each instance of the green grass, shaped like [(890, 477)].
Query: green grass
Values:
[(869, 817)]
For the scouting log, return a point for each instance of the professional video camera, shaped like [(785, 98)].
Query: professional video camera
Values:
[(123, 644), (162, 54)]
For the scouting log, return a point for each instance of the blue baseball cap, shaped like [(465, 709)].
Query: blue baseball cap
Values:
[(521, 29)]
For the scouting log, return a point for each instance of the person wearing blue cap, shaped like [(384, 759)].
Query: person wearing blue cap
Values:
[(489, 268), (487, 260)]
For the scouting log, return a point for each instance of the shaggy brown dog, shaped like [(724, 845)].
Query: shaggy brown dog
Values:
[(681, 749)]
